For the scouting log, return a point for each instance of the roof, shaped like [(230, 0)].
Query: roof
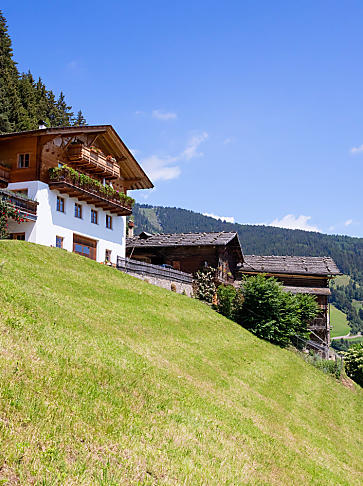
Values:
[(107, 135), (182, 239), (308, 290), (295, 265)]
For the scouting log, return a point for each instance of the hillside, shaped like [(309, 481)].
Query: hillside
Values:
[(267, 240), (108, 380)]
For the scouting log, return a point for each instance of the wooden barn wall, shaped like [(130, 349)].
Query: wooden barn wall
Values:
[(9, 151), (189, 258)]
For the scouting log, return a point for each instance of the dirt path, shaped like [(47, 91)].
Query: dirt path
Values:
[(348, 336)]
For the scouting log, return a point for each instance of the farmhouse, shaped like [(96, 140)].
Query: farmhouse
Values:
[(70, 185), (189, 252), (306, 275)]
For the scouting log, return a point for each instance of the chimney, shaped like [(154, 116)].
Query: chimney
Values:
[(130, 229), (41, 124)]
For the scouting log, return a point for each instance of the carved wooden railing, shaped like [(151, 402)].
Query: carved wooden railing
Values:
[(95, 160)]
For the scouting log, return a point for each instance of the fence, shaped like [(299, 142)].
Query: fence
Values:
[(134, 266)]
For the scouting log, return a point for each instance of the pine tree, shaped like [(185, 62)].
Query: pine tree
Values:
[(79, 120), (64, 114), (22, 101)]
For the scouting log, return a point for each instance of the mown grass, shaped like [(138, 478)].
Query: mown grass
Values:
[(338, 322), (107, 380)]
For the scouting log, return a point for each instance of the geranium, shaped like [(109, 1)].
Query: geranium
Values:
[(8, 211)]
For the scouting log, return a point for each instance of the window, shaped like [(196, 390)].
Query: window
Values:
[(59, 241), (23, 161), (108, 256), (17, 236), (94, 216), (77, 211), (60, 204), (20, 191), (108, 221)]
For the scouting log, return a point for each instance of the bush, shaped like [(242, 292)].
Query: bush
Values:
[(326, 365), (353, 363), (226, 295), (205, 287), (264, 308)]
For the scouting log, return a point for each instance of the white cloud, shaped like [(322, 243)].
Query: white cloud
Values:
[(163, 115), (227, 219), (139, 113), (331, 228), (228, 140), (356, 150), (348, 222), (294, 222), (191, 149), (166, 167), (161, 168)]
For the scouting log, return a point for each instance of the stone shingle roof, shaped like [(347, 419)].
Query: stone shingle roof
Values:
[(294, 265), (181, 239)]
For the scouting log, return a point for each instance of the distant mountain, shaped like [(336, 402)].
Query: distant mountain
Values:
[(346, 251)]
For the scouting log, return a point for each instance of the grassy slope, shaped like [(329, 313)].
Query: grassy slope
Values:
[(339, 322), (109, 380)]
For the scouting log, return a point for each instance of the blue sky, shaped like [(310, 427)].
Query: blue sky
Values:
[(251, 110)]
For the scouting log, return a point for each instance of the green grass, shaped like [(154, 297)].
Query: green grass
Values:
[(107, 380), (339, 322)]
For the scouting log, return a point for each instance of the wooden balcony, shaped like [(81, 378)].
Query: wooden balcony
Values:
[(26, 207), (318, 324), (4, 175), (89, 193), (91, 161)]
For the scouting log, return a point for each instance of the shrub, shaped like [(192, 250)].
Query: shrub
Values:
[(326, 365), (353, 361), (205, 287), (264, 308), (225, 299)]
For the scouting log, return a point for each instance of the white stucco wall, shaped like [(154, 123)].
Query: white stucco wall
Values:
[(51, 223)]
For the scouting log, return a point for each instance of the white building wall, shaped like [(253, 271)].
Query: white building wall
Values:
[(51, 223)]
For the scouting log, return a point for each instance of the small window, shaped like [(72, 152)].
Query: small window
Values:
[(24, 192), (17, 236), (94, 216), (77, 211), (60, 165), (59, 241), (23, 161), (108, 221), (108, 256), (60, 204)]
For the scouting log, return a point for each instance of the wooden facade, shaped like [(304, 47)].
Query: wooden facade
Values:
[(93, 150), (306, 275), (190, 252)]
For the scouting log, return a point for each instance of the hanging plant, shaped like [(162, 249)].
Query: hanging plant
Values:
[(7, 211), (88, 182)]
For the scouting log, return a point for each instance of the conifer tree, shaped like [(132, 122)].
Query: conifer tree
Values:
[(79, 120), (23, 102)]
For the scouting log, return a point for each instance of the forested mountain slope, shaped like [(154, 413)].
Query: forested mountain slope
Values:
[(346, 251), (109, 380)]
